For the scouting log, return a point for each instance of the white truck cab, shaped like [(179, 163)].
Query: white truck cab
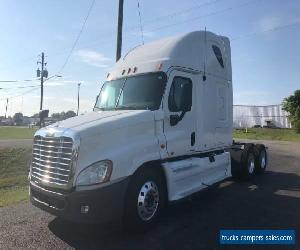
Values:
[(160, 130)]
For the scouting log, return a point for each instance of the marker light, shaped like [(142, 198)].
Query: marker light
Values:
[(108, 77), (159, 66)]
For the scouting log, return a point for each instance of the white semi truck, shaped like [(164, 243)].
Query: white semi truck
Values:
[(160, 130)]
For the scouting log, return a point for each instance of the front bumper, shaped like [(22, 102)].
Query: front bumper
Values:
[(105, 203)]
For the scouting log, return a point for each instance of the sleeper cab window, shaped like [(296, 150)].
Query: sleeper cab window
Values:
[(218, 55), (180, 96)]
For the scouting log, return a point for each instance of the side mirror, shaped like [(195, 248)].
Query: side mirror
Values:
[(44, 113), (174, 119)]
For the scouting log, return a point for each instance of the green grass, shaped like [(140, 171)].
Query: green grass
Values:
[(14, 132), (14, 167), (13, 195), (267, 134)]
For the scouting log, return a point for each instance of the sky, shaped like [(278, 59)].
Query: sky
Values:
[(264, 34)]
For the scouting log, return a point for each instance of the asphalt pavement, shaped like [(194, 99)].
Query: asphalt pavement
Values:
[(271, 201)]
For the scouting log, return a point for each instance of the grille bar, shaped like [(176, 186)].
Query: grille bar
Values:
[(51, 161), (49, 156), (47, 181), (49, 172), (49, 146), (51, 151), (48, 166), (45, 177)]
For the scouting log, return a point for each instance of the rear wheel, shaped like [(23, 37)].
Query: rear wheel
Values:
[(260, 159), (248, 162), (144, 200)]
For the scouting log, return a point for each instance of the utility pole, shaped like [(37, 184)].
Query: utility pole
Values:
[(42, 73), (78, 98), (42, 81), (6, 107), (120, 27)]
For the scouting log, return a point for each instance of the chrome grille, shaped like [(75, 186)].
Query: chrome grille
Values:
[(51, 159)]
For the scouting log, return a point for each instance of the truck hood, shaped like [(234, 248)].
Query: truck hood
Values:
[(91, 117), (102, 121)]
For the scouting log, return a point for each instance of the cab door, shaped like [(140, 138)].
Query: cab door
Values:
[(179, 110)]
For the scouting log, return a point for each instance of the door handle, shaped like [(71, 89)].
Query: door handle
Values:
[(193, 138)]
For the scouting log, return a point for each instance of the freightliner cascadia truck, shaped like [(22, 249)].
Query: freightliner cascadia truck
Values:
[(160, 130)]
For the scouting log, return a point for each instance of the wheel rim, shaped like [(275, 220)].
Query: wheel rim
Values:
[(263, 160), (148, 201), (251, 165)]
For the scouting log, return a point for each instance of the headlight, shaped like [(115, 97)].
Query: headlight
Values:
[(98, 172)]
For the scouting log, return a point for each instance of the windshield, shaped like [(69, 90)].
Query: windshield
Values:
[(135, 92)]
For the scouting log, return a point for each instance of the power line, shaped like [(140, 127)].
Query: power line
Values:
[(27, 80), (126, 32), (78, 36), (266, 30), (232, 39), (24, 93), (34, 87), (149, 21), (128, 29), (20, 87), (169, 25), (174, 14), (206, 15)]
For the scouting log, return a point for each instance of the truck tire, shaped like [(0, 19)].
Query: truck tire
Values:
[(261, 159), (248, 162), (145, 199)]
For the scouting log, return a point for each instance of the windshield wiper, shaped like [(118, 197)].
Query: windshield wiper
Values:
[(131, 107), (105, 109)]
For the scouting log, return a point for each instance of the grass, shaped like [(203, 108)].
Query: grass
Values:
[(13, 195), (14, 167), (267, 134), (14, 132)]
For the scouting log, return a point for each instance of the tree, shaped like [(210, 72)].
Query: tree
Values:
[(18, 118), (56, 116), (63, 115), (69, 114), (291, 104)]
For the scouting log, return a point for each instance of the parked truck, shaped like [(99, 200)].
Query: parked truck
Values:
[(160, 130)]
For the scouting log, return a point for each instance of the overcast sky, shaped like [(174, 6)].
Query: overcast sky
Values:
[(265, 44)]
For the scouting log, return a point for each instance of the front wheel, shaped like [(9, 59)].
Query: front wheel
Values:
[(144, 200)]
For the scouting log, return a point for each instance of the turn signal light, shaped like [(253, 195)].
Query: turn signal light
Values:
[(84, 209)]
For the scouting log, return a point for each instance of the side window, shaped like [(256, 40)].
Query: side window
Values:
[(180, 97), (218, 55)]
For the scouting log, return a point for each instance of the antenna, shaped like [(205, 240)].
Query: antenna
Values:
[(205, 55), (140, 18)]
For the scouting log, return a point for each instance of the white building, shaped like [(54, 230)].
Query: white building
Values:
[(248, 116)]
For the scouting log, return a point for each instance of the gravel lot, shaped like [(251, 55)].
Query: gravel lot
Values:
[(271, 201)]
